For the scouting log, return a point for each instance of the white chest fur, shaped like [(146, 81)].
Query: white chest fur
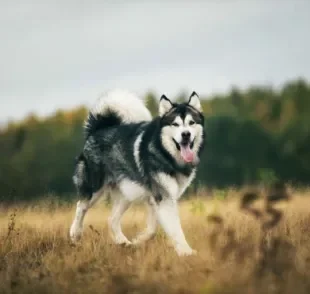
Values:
[(184, 182), (175, 186)]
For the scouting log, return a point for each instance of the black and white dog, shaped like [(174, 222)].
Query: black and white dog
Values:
[(134, 157)]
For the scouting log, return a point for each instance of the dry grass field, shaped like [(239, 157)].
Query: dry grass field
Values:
[(238, 252)]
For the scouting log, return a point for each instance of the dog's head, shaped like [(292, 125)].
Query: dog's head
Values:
[(182, 131)]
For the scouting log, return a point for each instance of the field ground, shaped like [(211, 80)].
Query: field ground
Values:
[(235, 254)]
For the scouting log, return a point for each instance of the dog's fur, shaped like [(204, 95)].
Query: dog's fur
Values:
[(134, 157)]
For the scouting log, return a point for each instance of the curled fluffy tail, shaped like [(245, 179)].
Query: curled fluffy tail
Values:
[(115, 108)]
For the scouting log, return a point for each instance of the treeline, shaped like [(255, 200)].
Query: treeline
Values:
[(248, 131)]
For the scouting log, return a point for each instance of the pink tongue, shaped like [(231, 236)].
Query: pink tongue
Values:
[(187, 154)]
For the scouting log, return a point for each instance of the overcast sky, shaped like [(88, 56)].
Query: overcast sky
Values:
[(59, 54)]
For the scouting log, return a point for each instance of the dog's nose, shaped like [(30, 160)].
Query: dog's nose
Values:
[(186, 135)]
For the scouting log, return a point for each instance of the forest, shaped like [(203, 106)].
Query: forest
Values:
[(250, 134)]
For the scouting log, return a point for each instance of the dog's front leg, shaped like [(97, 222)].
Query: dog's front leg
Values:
[(168, 217)]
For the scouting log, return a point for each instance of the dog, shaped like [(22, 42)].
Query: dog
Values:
[(132, 156)]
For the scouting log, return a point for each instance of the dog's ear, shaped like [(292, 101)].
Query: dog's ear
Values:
[(195, 102), (164, 105)]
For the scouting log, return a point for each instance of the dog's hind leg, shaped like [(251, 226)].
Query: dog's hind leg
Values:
[(119, 206), (151, 227), (82, 207)]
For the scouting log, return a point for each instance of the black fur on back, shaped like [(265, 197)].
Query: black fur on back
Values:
[(96, 122)]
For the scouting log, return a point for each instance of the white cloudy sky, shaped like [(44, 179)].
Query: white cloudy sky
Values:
[(58, 54)]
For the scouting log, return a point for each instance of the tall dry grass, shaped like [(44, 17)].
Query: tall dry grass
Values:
[(240, 250)]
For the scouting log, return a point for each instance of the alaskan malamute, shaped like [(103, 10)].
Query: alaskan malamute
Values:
[(134, 157)]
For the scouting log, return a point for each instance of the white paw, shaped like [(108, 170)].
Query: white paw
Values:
[(142, 238), (185, 251), (75, 233), (136, 241), (122, 240)]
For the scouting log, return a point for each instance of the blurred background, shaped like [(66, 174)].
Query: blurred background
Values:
[(248, 60)]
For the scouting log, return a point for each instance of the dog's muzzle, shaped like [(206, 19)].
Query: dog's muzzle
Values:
[(185, 147)]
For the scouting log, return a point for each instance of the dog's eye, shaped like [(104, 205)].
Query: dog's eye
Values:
[(191, 123), (175, 124)]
